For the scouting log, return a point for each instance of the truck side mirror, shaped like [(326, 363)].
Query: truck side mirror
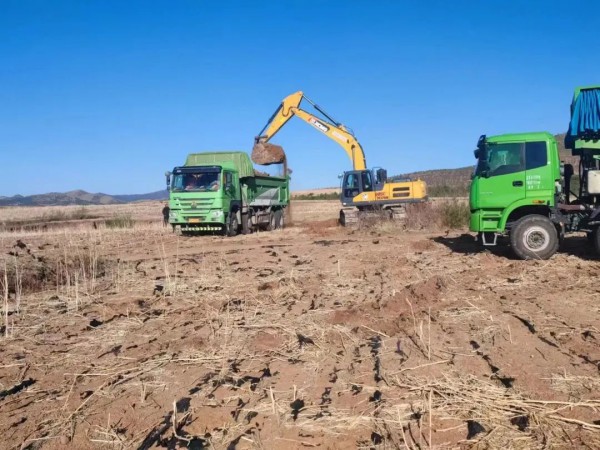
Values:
[(168, 175), (476, 153)]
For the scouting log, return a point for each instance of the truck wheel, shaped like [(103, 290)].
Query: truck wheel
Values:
[(271, 224), (595, 239), (246, 224), (534, 237), (278, 216), (232, 224)]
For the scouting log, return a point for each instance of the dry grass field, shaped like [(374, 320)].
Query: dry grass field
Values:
[(314, 336)]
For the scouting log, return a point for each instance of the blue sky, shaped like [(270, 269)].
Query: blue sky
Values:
[(106, 95)]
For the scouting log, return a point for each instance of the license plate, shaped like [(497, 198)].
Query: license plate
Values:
[(194, 220)]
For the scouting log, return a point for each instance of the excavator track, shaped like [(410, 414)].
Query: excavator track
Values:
[(351, 217)]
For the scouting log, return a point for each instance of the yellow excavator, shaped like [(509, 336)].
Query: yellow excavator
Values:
[(363, 192)]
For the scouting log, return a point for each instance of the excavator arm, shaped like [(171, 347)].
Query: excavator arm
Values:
[(290, 106)]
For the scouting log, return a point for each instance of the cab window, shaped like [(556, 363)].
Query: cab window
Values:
[(351, 181), (536, 155), (503, 159), (367, 181), (350, 185)]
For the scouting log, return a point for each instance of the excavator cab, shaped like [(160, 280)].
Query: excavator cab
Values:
[(356, 182)]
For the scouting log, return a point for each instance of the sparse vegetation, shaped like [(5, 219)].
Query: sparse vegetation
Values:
[(444, 190), (48, 215), (62, 215), (120, 221), (322, 196), (454, 214)]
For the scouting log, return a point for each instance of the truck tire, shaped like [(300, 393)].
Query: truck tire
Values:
[(232, 224), (596, 239), (271, 225), (278, 216), (246, 224), (534, 237)]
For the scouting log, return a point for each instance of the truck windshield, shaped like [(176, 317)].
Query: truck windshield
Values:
[(500, 159), (196, 182)]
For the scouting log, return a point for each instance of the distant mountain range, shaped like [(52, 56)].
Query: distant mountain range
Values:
[(79, 197)]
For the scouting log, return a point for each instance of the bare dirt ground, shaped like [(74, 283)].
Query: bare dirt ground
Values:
[(311, 337)]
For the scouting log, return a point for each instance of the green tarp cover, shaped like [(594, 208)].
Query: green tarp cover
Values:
[(240, 160)]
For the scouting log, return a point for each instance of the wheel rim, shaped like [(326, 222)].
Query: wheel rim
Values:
[(536, 239)]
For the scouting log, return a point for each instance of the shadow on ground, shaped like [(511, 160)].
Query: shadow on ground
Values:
[(466, 244)]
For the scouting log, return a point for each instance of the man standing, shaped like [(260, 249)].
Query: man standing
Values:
[(165, 213)]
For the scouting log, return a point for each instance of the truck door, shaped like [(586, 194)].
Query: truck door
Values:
[(502, 176), (539, 181), (229, 190)]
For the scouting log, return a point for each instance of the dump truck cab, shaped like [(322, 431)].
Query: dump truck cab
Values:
[(515, 175), (520, 187), (202, 196), (220, 192)]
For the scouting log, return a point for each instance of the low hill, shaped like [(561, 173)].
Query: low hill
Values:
[(442, 182), (156, 195), (78, 197), (455, 182)]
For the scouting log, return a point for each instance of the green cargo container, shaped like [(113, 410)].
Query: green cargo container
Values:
[(219, 192)]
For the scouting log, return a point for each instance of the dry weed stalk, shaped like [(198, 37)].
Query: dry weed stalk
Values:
[(424, 347), (5, 300), (513, 420), (18, 285)]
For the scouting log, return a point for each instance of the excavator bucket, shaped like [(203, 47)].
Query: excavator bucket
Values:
[(265, 154)]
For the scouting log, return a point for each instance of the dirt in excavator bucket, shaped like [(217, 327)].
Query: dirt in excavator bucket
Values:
[(265, 154)]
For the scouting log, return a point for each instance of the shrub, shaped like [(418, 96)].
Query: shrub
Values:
[(445, 190), (312, 196), (121, 221), (455, 214), (62, 215), (421, 216)]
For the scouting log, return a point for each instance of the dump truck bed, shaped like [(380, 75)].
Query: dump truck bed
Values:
[(267, 191)]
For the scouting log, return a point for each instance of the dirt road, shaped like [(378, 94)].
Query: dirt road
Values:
[(314, 336)]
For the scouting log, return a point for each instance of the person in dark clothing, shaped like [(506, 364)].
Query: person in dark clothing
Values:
[(165, 213)]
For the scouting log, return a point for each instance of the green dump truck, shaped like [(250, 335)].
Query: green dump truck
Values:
[(522, 190), (220, 192)]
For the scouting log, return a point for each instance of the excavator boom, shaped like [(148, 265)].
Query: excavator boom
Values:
[(363, 192), (290, 106)]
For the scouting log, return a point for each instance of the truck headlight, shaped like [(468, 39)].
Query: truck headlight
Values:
[(172, 215), (217, 214)]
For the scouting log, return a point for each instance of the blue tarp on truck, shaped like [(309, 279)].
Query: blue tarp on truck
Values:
[(585, 118)]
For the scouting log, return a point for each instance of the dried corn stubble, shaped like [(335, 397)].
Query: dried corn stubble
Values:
[(265, 154)]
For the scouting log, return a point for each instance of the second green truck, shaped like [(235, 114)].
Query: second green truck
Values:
[(221, 192), (522, 190)]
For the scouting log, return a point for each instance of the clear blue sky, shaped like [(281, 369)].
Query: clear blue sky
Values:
[(106, 95)]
